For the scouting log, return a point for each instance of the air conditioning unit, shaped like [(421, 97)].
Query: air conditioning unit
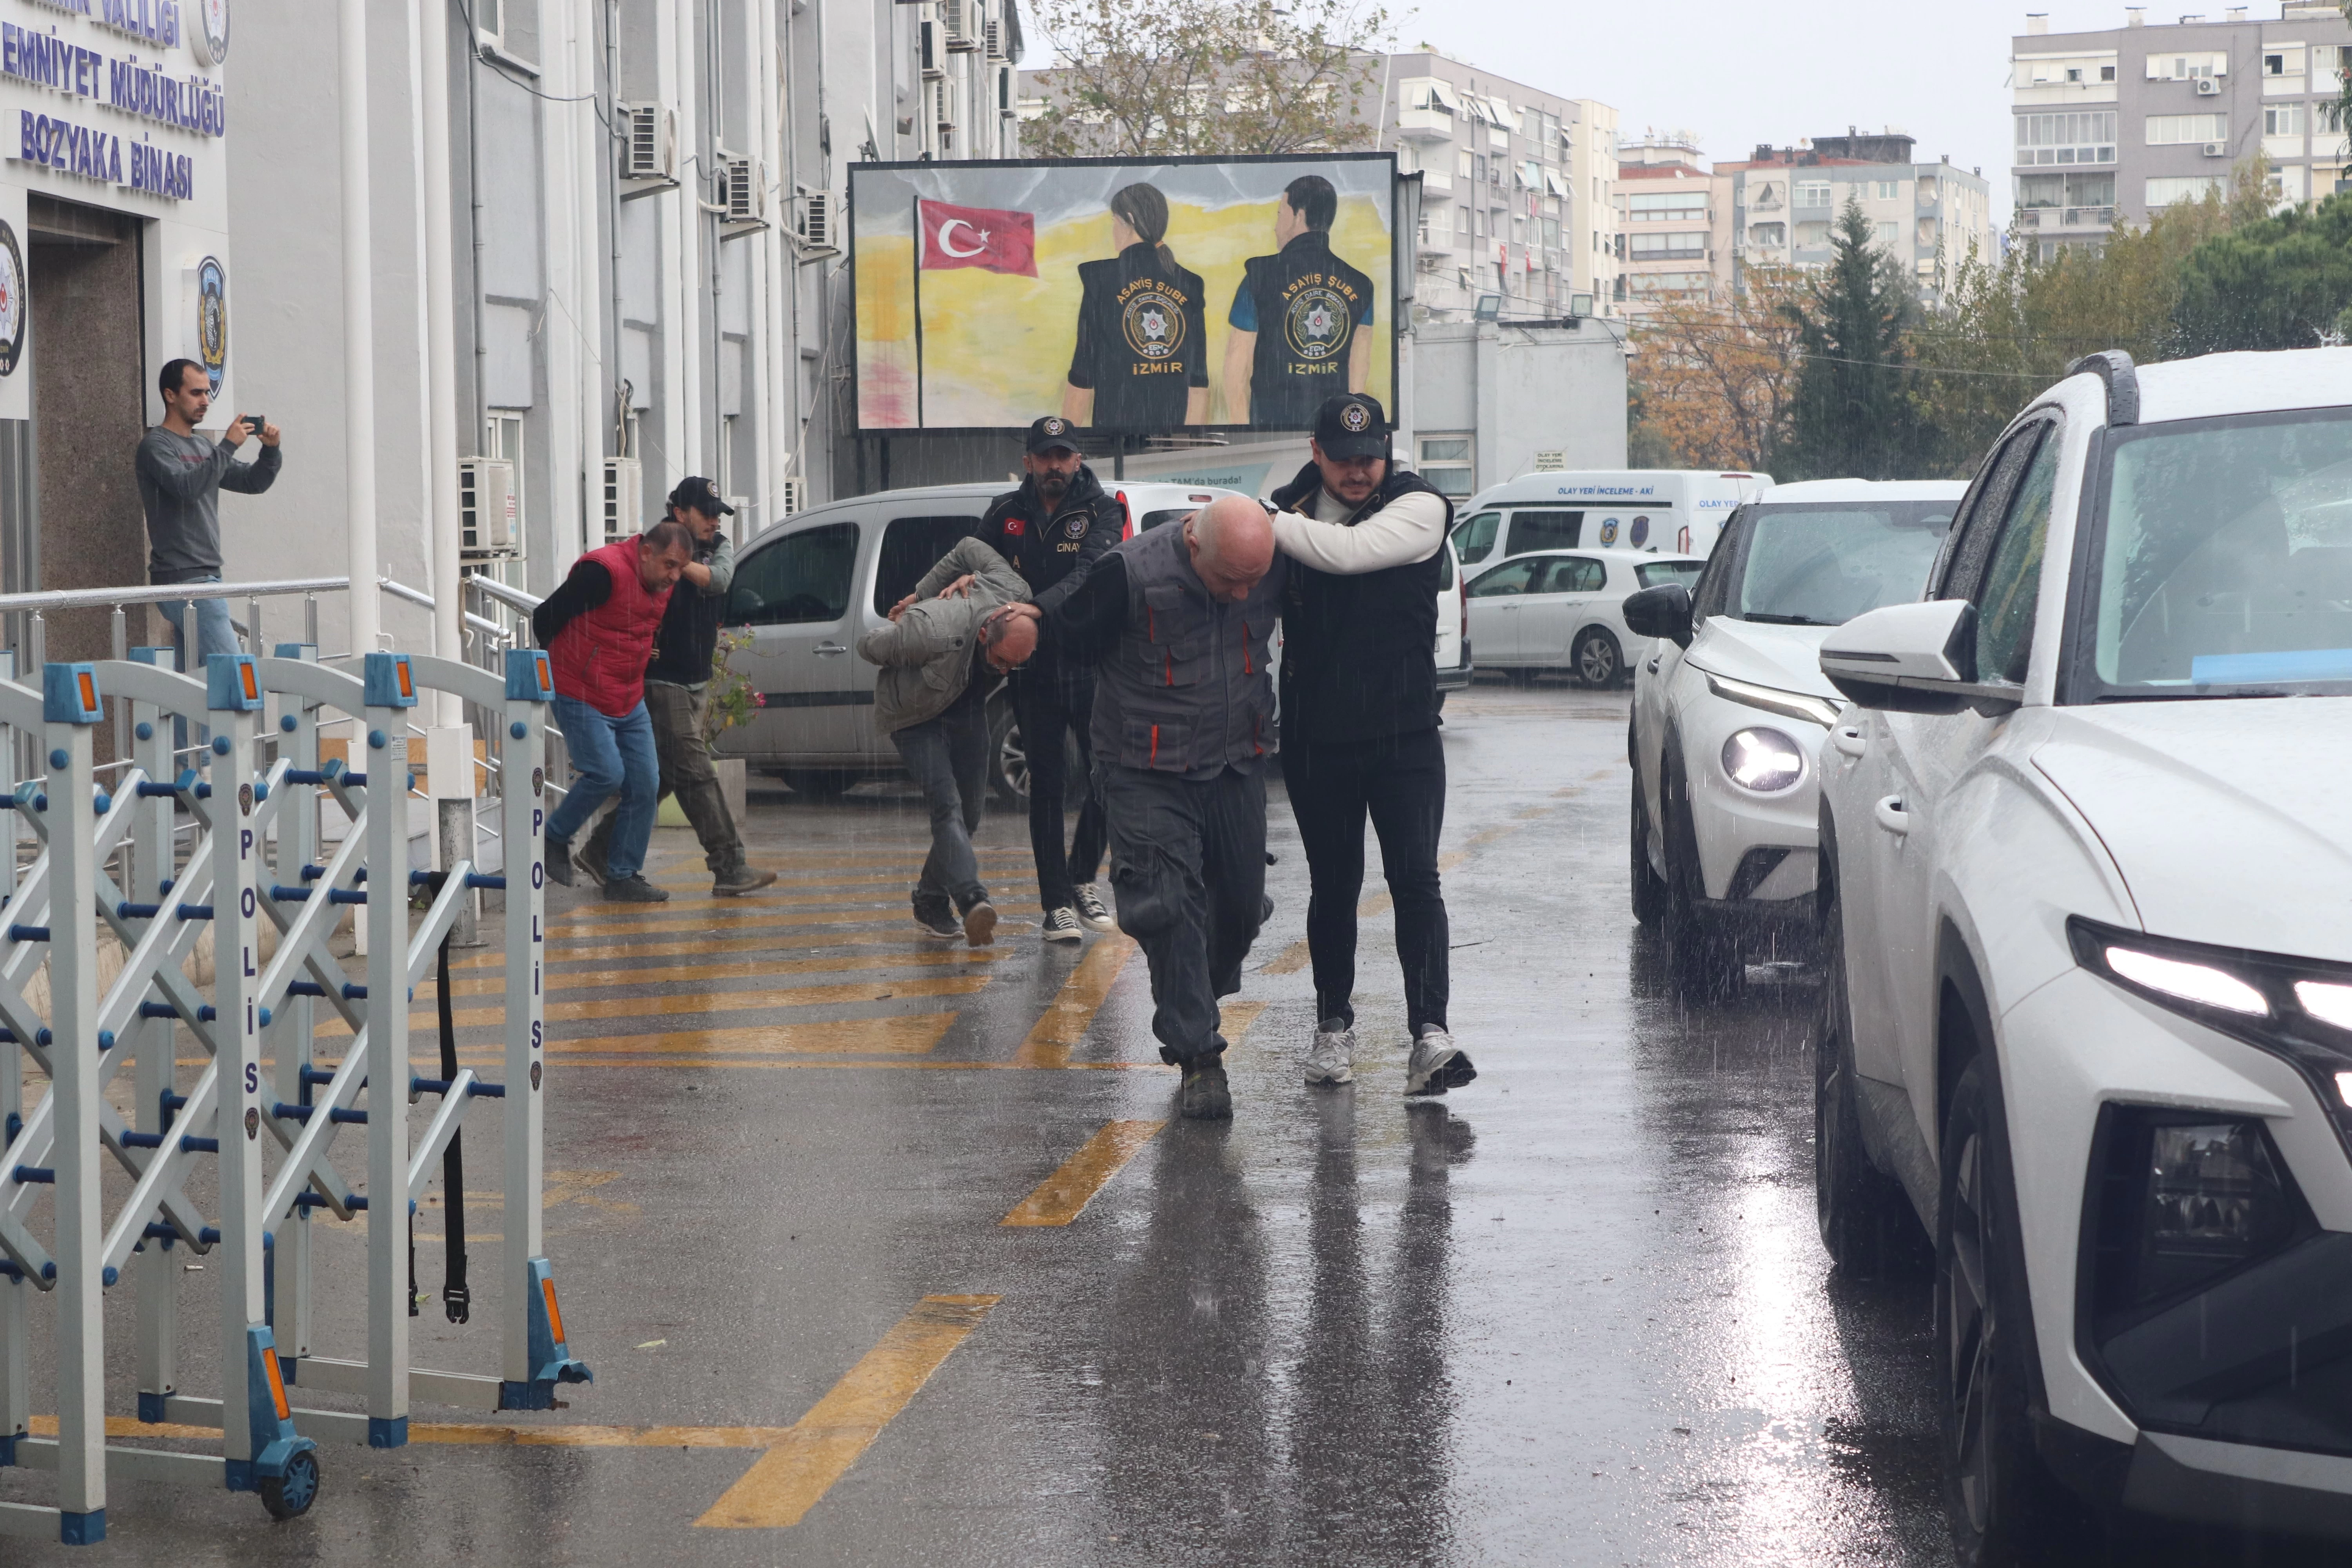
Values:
[(957, 16), (997, 42), (743, 189), (934, 54), (624, 497), (490, 523), (795, 496), (2208, 88), (2216, 149), (814, 224), (943, 105), (650, 148)]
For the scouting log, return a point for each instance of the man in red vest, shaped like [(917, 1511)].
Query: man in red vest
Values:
[(598, 629)]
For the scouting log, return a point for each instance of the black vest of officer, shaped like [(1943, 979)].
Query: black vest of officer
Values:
[(1306, 300), (1359, 654), (1142, 340), (688, 635), (1045, 546)]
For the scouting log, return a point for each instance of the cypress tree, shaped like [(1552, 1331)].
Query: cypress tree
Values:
[(1854, 412)]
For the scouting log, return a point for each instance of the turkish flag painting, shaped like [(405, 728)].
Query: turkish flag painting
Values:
[(978, 236)]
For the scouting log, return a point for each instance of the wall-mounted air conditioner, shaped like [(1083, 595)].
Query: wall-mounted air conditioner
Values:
[(814, 224), (934, 52), (2216, 149), (995, 36), (959, 17), (2208, 88), (624, 497), (490, 523), (743, 188), (649, 148)]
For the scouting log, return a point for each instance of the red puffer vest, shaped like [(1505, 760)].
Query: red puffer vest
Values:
[(600, 658)]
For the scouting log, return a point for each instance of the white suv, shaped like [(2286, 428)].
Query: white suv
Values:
[(1731, 709), (2087, 894)]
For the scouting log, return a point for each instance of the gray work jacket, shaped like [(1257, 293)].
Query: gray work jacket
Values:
[(1186, 689), (926, 653)]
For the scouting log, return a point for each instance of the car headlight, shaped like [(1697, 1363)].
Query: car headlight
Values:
[(2296, 1009), (1802, 705), (1763, 762)]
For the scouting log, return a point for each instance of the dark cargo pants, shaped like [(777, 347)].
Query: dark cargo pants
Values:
[(1188, 873), (686, 772)]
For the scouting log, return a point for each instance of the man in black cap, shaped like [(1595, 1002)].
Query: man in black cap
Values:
[(1301, 318), (1359, 724), (1054, 529), (676, 677)]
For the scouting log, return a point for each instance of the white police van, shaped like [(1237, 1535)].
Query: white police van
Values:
[(1677, 511)]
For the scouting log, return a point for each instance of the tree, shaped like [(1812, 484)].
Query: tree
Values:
[(1712, 378), (2284, 282), (1853, 412), (1202, 77)]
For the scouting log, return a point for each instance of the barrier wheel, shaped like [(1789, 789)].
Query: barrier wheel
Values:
[(291, 1494)]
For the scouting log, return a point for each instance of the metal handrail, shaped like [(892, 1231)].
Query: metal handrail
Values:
[(400, 590), (157, 593), (513, 598)]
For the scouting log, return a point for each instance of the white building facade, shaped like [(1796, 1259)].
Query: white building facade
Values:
[(1786, 202)]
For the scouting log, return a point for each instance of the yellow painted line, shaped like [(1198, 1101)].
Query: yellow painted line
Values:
[(792, 879), (1064, 1021), (912, 1035), (637, 917), (691, 1002), (878, 1065), (571, 954), (561, 940), (484, 1432), (1060, 1197), (1235, 1018), (749, 969), (794, 1476), (1292, 958)]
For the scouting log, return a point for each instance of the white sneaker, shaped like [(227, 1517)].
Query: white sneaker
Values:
[(1060, 925), (1438, 1064), (1332, 1058), (1093, 913)]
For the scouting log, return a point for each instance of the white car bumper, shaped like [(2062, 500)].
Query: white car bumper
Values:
[(1755, 852)]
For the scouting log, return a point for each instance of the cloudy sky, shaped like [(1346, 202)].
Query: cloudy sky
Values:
[(1739, 72)]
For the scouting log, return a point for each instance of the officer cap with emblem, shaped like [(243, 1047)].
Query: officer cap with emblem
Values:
[(1352, 426), (1052, 433)]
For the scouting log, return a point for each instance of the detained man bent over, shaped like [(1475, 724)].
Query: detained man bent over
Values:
[(1178, 621)]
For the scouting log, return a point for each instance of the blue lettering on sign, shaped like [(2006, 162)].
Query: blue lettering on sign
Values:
[(186, 103), (162, 173), (79, 7), (72, 149), (155, 21)]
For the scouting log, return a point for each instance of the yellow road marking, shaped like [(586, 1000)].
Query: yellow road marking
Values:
[(1291, 959), (696, 1002), (1060, 1197), (571, 954), (749, 969), (642, 920), (1065, 1022), (912, 1035), (792, 879), (792, 1475), (1235, 1018)]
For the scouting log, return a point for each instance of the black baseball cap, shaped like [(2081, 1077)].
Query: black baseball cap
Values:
[(1352, 426), (698, 494), (1051, 432)]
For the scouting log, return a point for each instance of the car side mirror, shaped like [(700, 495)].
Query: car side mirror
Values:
[(1664, 611), (1913, 658)]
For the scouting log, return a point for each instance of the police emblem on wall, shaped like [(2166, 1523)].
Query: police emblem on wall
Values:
[(212, 319), (16, 304), (210, 38), (1317, 323), (1154, 325)]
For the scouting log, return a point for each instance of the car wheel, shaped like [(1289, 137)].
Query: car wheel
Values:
[(1866, 1221), (2002, 1504), (819, 784), (1703, 957), (1649, 888), (1008, 758), (1596, 658)]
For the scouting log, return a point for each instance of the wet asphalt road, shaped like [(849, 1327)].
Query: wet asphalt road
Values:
[(1575, 1312)]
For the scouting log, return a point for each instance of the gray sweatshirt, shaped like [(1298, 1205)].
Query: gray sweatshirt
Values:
[(180, 481), (926, 653)]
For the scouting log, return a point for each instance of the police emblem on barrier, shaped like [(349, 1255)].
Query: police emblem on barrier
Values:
[(212, 319), (209, 41), (1608, 531), (1154, 325), (1355, 417), (1317, 323), (16, 304)]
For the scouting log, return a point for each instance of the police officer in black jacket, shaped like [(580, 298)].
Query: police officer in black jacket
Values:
[(1054, 529)]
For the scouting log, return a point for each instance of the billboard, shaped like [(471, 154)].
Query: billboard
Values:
[(1129, 297)]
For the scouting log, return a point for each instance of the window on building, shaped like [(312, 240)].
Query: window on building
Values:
[(2086, 138), (2041, 190), (1466, 170), (2187, 67), (1812, 193), (1462, 223), (1666, 285), (1764, 196), (2284, 120), (1887, 190), (1551, 232), (1482, 167), (1661, 207), (2180, 129), (1668, 247), (2106, 73), (2164, 193), (1883, 233), (2073, 73), (1773, 235), (1445, 464), (1812, 233)]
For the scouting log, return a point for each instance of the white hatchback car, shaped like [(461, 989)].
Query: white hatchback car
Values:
[(1565, 610), (2087, 894), (1731, 709)]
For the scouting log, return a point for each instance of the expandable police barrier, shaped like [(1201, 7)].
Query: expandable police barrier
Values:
[(264, 1107)]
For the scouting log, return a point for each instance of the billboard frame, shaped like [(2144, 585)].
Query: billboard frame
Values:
[(1398, 296)]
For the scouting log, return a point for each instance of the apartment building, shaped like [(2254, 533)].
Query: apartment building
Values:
[(2113, 125), (1673, 222), (1515, 190), (1786, 201)]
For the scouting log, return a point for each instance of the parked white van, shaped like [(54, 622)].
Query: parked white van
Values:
[(1675, 512)]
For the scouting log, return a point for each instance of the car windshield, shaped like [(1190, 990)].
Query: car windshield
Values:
[(1658, 573), (2222, 558), (1822, 564)]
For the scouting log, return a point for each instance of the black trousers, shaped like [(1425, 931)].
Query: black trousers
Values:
[(1049, 708), (1188, 872), (1399, 783)]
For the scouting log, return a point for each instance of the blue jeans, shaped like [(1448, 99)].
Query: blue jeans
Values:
[(948, 759), (609, 755), (213, 635)]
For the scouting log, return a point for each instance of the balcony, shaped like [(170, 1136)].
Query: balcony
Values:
[(1437, 182), (1431, 124), (2065, 218)]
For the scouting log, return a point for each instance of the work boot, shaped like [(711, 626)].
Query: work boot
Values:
[(559, 862), (1332, 1058), (739, 878), (590, 857), (1438, 1064), (1093, 913), (980, 924), (635, 890), (1060, 925), (1203, 1096)]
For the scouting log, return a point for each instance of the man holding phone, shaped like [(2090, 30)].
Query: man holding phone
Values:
[(181, 476)]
